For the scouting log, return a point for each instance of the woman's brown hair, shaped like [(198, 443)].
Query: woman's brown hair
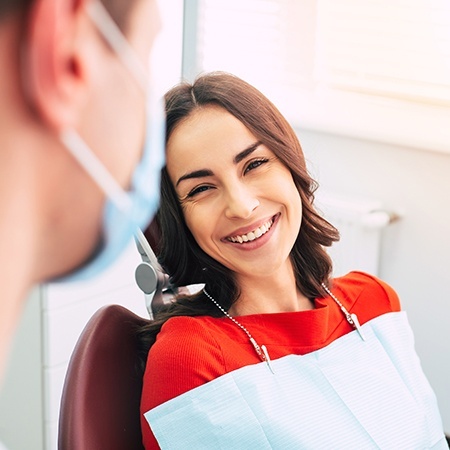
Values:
[(179, 253)]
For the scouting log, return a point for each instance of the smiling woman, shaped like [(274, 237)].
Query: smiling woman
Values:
[(227, 126), (237, 214), (239, 201)]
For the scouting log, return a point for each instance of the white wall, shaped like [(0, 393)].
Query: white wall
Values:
[(415, 250), (21, 396)]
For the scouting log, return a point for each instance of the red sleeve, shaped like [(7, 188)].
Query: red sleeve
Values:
[(184, 356), (369, 296), (388, 294)]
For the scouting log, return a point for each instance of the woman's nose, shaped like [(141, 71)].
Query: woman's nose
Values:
[(240, 202)]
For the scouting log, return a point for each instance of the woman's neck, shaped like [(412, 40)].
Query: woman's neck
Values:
[(273, 293)]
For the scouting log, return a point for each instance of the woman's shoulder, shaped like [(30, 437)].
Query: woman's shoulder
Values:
[(185, 334), (368, 291), (185, 355), (187, 328)]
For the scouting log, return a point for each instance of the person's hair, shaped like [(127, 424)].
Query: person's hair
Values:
[(119, 9), (179, 253), (8, 6)]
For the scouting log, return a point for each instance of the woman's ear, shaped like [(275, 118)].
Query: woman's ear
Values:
[(53, 66)]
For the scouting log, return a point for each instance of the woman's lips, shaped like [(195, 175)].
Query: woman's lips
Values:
[(255, 234)]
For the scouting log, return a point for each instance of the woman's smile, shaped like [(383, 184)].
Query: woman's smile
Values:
[(256, 237)]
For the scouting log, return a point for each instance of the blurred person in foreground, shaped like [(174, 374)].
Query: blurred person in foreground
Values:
[(79, 128)]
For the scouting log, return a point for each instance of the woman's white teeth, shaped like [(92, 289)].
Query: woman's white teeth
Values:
[(255, 234)]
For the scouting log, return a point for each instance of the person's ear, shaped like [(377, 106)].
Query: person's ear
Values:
[(53, 66)]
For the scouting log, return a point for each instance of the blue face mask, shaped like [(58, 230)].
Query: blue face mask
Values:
[(125, 213)]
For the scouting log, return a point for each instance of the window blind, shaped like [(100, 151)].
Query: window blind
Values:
[(254, 39), (391, 48)]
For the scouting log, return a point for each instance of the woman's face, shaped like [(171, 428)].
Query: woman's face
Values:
[(239, 201)]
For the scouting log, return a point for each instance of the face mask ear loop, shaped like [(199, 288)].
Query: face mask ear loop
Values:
[(116, 40), (74, 143), (81, 152)]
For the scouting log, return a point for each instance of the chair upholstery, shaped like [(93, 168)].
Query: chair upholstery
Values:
[(102, 389)]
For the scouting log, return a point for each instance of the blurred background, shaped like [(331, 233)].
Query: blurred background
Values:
[(366, 85)]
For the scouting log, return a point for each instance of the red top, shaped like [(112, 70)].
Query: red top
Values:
[(190, 351)]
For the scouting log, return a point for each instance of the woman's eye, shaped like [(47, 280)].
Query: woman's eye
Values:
[(197, 190), (254, 164)]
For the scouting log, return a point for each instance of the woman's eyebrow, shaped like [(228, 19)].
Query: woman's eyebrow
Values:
[(249, 150), (196, 174), (201, 173)]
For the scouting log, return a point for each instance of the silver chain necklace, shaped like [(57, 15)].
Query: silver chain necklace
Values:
[(261, 350), (352, 319)]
